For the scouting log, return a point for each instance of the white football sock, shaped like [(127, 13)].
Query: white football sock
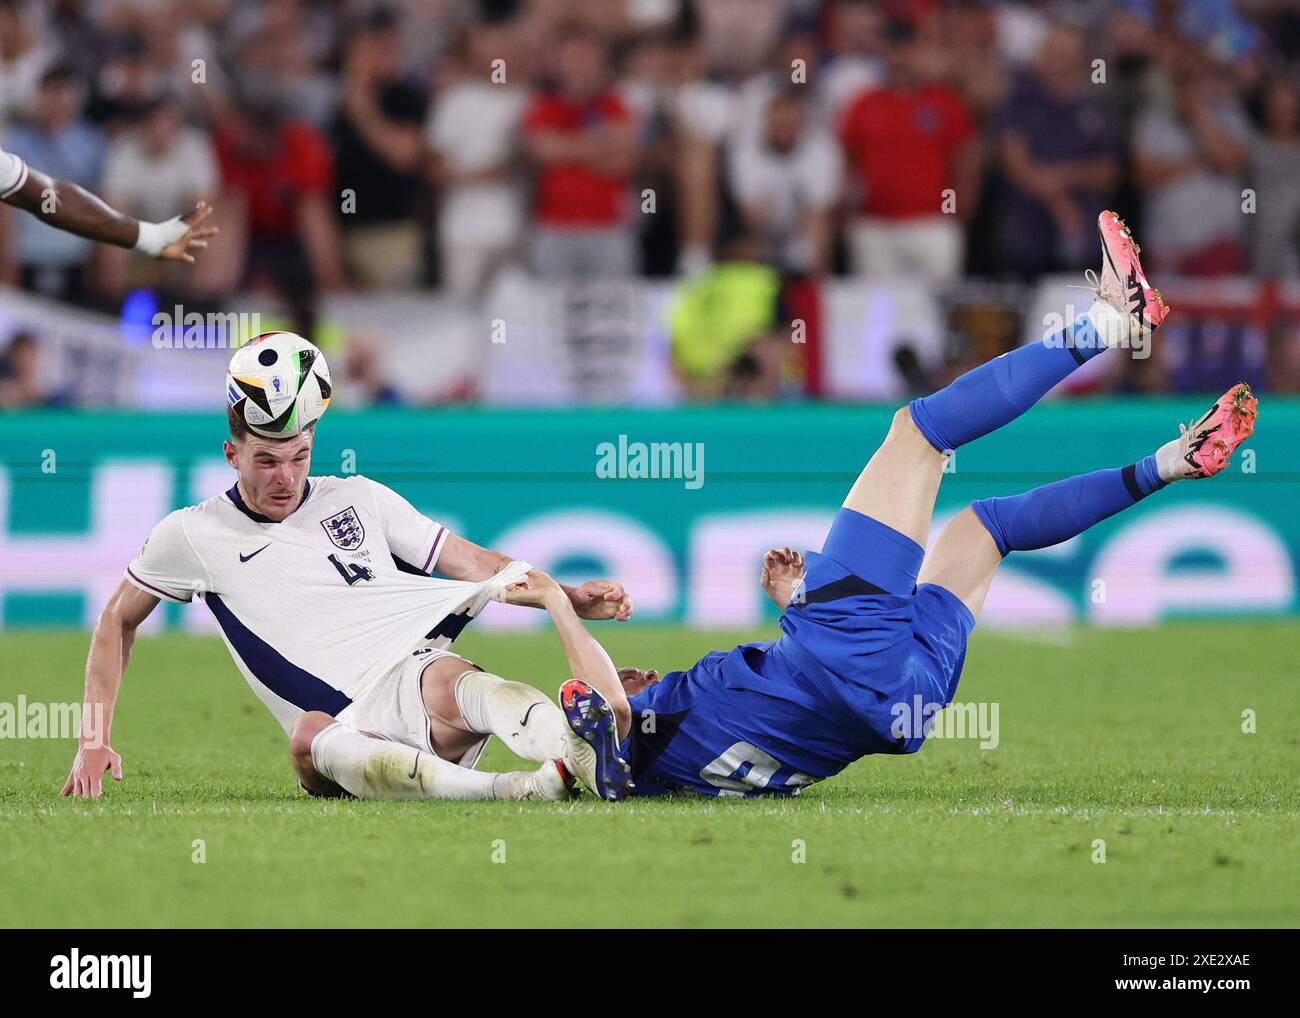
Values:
[(544, 783), (1169, 461), (1111, 325), (377, 769), (528, 722)]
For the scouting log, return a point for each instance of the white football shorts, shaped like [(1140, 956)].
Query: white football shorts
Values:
[(394, 709)]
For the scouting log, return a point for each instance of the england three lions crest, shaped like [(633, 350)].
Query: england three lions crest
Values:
[(345, 529)]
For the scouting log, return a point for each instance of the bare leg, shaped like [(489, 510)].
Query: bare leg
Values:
[(466, 704), (305, 730), (963, 560), (899, 484), (450, 734), (968, 552)]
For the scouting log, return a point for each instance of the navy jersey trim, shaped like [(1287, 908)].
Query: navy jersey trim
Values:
[(406, 567), (238, 501), (450, 627), (271, 668), (156, 590), (848, 586), (642, 749)]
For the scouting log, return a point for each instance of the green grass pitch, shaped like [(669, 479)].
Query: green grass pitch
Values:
[(1132, 738)]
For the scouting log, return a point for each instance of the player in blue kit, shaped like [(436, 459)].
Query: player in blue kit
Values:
[(872, 622)]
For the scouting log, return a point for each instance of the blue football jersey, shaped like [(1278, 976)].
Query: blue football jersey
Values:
[(859, 641), (741, 722)]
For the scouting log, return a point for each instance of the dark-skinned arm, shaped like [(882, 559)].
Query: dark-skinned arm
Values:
[(73, 209)]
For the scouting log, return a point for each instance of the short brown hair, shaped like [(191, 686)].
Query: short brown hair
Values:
[(235, 421), (240, 431)]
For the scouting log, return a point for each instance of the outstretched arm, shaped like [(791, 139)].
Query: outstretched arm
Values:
[(110, 650), (587, 658), (68, 207), (595, 600)]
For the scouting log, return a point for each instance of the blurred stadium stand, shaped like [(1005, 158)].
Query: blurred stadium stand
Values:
[(613, 343), (649, 201)]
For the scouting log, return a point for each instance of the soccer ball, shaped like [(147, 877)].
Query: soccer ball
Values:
[(278, 384)]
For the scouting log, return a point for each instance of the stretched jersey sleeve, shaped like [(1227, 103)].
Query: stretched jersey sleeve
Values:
[(167, 565), (13, 173), (412, 536)]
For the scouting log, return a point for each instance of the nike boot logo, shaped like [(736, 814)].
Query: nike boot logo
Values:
[(245, 558), (523, 722), (415, 766)]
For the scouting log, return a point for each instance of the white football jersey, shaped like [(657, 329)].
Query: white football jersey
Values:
[(316, 609), (13, 173)]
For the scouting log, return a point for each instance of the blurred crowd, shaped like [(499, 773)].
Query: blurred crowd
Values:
[(357, 146)]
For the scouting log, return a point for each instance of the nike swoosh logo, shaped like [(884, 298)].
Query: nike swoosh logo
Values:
[(245, 558), (523, 722), (415, 766)]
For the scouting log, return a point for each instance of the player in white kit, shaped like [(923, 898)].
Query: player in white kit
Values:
[(320, 586), (68, 207)]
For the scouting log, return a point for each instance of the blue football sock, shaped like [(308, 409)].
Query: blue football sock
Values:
[(1056, 512), (1000, 390)]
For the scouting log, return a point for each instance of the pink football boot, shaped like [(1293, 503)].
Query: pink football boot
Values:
[(1122, 284), (1207, 445)]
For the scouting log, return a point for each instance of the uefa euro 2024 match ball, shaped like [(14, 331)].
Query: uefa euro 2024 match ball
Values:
[(278, 384)]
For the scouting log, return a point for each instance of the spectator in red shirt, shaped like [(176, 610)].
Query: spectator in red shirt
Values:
[(581, 138), (278, 176), (910, 144)]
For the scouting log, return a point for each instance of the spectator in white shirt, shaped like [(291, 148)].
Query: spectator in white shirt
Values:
[(1189, 158), (22, 61), (786, 181), (158, 165), (471, 136)]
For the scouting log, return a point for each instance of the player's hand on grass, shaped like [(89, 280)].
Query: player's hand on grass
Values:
[(600, 600), (782, 571), (194, 239), (86, 779), (636, 679)]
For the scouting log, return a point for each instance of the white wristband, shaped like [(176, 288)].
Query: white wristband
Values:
[(156, 236)]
